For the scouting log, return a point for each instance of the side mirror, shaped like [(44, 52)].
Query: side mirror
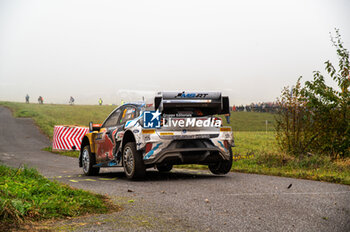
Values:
[(94, 127)]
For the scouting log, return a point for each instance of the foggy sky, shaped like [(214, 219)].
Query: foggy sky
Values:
[(117, 50)]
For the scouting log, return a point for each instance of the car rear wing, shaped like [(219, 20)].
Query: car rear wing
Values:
[(210, 103)]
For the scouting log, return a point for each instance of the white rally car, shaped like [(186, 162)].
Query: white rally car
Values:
[(181, 129)]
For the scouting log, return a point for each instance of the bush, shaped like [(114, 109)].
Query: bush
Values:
[(294, 130), (316, 118)]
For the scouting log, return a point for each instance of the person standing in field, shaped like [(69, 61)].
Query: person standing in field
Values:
[(100, 102), (71, 100), (41, 100), (27, 99), (227, 116)]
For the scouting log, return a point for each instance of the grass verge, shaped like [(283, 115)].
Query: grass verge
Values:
[(265, 158), (74, 154), (312, 168), (27, 195)]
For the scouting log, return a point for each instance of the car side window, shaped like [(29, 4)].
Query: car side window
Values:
[(129, 113), (113, 119)]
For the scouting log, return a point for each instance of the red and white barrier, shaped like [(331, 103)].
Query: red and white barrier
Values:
[(68, 137)]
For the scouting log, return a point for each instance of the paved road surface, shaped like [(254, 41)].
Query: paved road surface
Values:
[(177, 201)]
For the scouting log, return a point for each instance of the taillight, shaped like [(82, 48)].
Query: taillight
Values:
[(148, 147)]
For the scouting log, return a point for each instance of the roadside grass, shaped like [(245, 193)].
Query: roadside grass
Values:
[(258, 152), (316, 167), (256, 148), (27, 195), (74, 154)]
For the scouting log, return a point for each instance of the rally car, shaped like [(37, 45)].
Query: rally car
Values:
[(182, 128)]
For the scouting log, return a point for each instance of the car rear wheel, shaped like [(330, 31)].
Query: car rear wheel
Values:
[(164, 167), (133, 164), (222, 167), (88, 161)]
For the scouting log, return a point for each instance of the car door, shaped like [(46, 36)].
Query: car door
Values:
[(106, 139)]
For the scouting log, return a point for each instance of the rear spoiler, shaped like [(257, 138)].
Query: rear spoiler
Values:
[(212, 102)]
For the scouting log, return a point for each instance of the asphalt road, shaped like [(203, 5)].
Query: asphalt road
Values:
[(184, 200)]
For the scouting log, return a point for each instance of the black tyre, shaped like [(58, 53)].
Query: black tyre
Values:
[(222, 167), (164, 167), (88, 160), (133, 164)]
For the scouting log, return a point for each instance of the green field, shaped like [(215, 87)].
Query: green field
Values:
[(251, 121), (256, 149)]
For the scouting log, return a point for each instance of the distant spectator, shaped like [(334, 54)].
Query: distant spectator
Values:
[(100, 102), (269, 107), (71, 100), (41, 100), (27, 99), (227, 116)]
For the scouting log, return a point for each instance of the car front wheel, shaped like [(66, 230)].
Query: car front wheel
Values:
[(88, 160)]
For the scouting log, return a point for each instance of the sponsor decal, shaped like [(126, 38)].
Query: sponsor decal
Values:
[(191, 95)]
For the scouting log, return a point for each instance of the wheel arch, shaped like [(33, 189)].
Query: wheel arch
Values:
[(128, 137)]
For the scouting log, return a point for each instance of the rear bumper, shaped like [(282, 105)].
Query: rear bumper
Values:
[(189, 152)]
